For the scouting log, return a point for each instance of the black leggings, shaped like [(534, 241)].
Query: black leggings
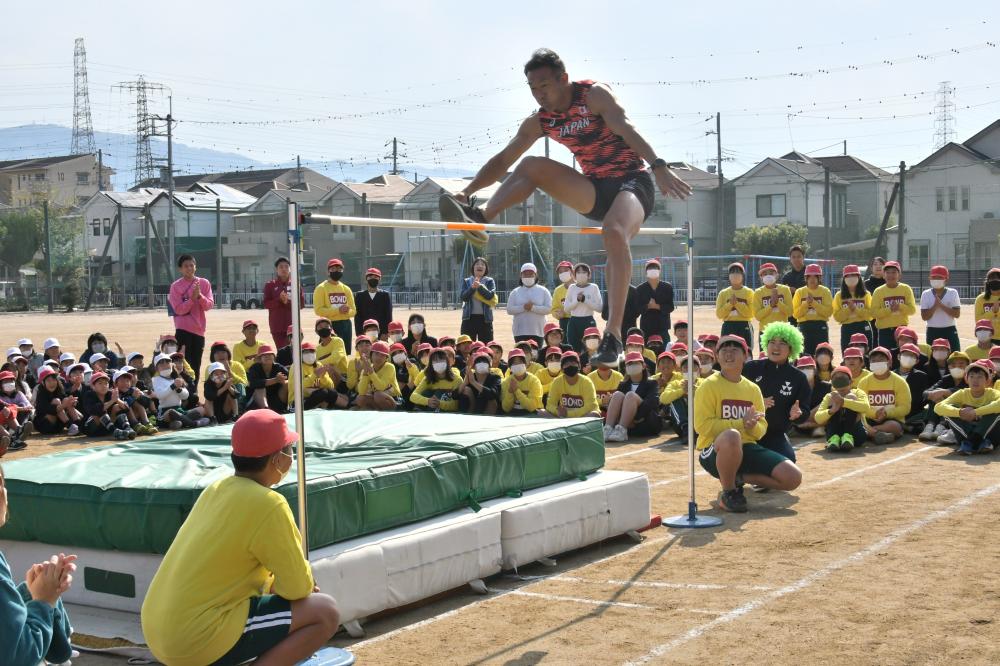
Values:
[(319, 396), (193, 346), (477, 328)]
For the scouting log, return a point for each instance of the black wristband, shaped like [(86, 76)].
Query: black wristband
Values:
[(657, 163)]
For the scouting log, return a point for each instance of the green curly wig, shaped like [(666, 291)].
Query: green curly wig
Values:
[(784, 331)]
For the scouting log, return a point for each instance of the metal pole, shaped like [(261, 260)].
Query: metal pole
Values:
[(443, 273), (365, 232), (691, 518), (300, 454), (901, 225), (826, 209), (720, 233), (218, 245), (170, 184), (100, 170), (121, 253), (147, 221), (48, 257)]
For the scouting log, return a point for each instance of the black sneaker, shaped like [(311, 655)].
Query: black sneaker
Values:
[(17, 445), (453, 210), (609, 351), (733, 501)]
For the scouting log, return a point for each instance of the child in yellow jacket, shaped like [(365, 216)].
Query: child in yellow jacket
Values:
[(972, 413), (889, 398), (812, 306), (842, 412), (520, 391)]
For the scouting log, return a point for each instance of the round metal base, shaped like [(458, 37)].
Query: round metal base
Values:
[(686, 520)]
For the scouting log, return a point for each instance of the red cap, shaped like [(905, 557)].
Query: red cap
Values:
[(552, 326), (763, 267), (738, 265), (706, 352), (177, 354), (447, 338), (814, 269), (635, 339), (842, 368), (910, 348), (805, 362), (308, 345), (249, 322), (982, 363), (654, 338), (826, 346), (940, 272), (482, 354), (859, 339), (396, 346), (735, 339), (369, 322), (423, 347), (553, 351), (98, 375), (994, 353), (906, 331), (219, 343), (264, 349), (992, 271), (167, 337), (892, 264), (853, 352), (851, 269), (591, 331), (334, 262), (679, 346), (666, 354), (984, 325), (494, 343), (564, 264), (374, 271), (318, 320), (531, 342), (680, 323), (44, 372), (941, 343), (515, 353), (261, 432), (477, 345), (361, 338), (7, 374), (571, 355), (883, 351), (395, 326), (711, 337), (634, 357), (381, 347)]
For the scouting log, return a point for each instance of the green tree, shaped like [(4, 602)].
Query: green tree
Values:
[(20, 240), (770, 240)]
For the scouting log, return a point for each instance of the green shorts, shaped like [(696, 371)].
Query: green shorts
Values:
[(268, 623), (756, 460)]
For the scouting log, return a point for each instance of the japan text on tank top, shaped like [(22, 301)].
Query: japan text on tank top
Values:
[(600, 152)]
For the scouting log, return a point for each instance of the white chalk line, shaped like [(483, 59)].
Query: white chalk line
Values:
[(815, 576), (648, 448), (576, 600), (662, 584), (862, 470)]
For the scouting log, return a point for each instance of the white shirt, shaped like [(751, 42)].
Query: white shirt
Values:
[(592, 301), (529, 322), (940, 319)]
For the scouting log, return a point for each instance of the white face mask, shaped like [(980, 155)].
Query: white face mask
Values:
[(26, 353), (440, 366), (582, 279), (534, 354), (879, 367), (482, 367), (219, 379), (565, 276), (907, 361), (396, 337), (809, 373), (984, 336), (957, 373), (592, 344), (634, 370), (7, 387), (399, 359), (553, 366), (169, 349), (417, 328), (852, 281), (309, 358), (528, 282), (98, 347), (166, 373), (372, 335), (518, 369), (653, 273), (769, 279), (939, 355), (680, 358), (937, 284), (705, 370)]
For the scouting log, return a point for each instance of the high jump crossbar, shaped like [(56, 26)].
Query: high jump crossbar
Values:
[(428, 225)]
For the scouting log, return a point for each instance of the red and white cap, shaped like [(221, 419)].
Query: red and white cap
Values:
[(635, 339), (395, 326), (892, 264), (941, 343), (264, 349), (765, 267), (374, 271), (44, 372), (591, 332), (380, 347), (552, 326), (634, 357), (248, 323), (805, 362), (733, 339), (910, 348), (853, 352), (370, 322), (859, 339)]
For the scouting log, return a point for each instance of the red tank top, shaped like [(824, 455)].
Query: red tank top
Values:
[(600, 152)]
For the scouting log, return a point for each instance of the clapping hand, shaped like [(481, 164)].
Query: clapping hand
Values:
[(751, 418), (795, 412), (768, 403)]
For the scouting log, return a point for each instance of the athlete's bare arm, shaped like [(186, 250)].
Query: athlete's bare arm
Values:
[(603, 103), (529, 132)]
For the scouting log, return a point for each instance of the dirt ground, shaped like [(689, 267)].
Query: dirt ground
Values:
[(884, 555)]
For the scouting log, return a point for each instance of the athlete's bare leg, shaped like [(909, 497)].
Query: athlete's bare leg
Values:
[(559, 181), (621, 224)]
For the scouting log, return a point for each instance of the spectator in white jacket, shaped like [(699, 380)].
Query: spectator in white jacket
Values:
[(583, 299), (529, 304), (171, 391)]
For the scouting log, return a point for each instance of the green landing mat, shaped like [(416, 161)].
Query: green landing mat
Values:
[(365, 472)]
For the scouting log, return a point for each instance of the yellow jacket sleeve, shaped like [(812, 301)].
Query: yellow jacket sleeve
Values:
[(909, 303), (558, 296), (760, 311), (353, 375), (903, 399), (418, 396), (350, 303), (722, 306), (992, 405), (321, 304), (676, 388), (952, 405), (528, 393)]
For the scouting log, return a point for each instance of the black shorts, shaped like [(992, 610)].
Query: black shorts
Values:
[(639, 183)]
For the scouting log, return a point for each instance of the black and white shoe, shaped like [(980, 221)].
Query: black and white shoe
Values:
[(733, 500), (453, 210), (609, 351)]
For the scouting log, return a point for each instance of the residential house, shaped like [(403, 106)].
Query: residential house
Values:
[(792, 190), (63, 181), (99, 213), (953, 207), (255, 182)]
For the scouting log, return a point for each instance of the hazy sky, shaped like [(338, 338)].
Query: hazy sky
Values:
[(445, 77)]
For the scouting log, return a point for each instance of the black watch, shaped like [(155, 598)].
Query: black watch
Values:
[(657, 163)]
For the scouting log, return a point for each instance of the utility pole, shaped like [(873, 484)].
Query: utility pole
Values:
[(83, 126), (549, 220), (121, 253), (444, 272), (901, 224), (845, 146), (100, 170), (218, 245), (147, 220), (298, 170), (720, 210), (171, 235), (365, 233), (395, 154), (48, 256), (826, 210)]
